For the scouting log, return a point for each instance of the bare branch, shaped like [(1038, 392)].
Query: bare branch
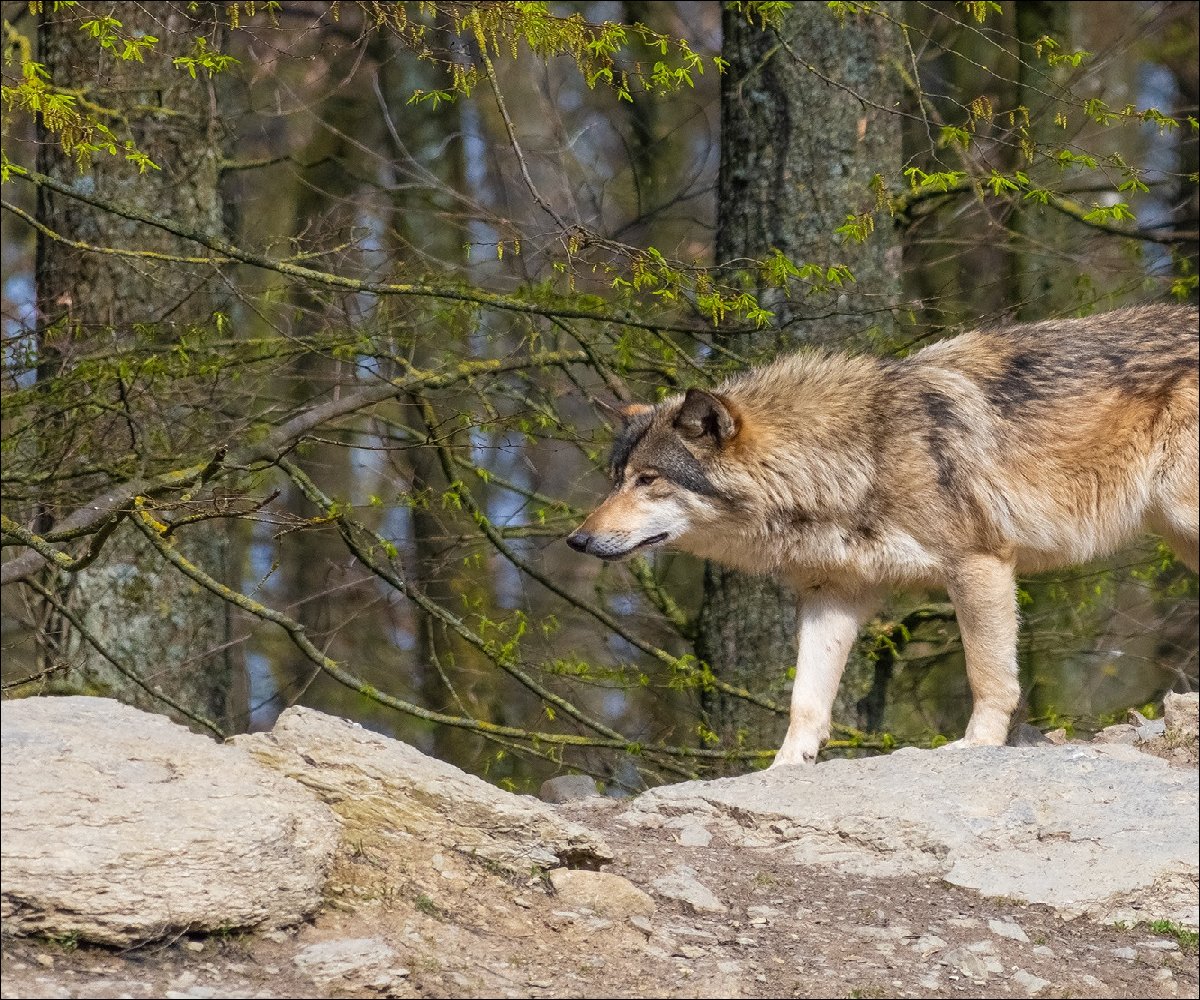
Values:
[(103, 508)]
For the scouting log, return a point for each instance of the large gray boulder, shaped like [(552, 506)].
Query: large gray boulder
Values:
[(121, 827), (1106, 831), (389, 793)]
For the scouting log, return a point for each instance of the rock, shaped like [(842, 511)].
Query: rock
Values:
[(927, 944), (1034, 824), (1027, 981), (1181, 714), (643, 924), (121, 827), (694, 835), (601, 892), (763, 914), (1147, 729), (690, 930), (1008, 929), (361, 962), (567, 788), (385, 790), (1025, 735), (681, 884), (974, 962), (1123, 732)]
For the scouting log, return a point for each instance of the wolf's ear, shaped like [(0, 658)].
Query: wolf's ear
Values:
[(705, 414), (622, 414)]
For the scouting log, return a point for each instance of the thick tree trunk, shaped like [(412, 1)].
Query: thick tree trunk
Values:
[(153, 621), (1045, 240), (798, 154), (1044, 245)]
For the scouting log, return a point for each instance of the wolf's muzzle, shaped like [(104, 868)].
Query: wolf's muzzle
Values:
[(604, 548)]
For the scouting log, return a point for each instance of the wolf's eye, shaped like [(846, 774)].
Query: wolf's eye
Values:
[(645, 478)]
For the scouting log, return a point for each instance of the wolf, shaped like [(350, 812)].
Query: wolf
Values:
[(997, 452)]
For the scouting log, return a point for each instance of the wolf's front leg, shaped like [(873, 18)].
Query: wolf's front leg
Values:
[(983, 591), (828, 623)]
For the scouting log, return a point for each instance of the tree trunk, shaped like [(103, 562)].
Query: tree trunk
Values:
[(1046, 242), (156, 623), (1044, 245), (798, 154)]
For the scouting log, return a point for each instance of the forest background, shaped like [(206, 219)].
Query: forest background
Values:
[(310, 310)]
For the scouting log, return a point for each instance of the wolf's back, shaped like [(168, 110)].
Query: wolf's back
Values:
[(1068, 437)]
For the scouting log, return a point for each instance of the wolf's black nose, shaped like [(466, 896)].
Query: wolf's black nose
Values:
[(578, 540)]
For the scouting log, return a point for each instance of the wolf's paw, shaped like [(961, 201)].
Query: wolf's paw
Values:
[(967, 744), (788, 755)]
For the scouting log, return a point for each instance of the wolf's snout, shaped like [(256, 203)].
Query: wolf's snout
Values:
[(579, 540)]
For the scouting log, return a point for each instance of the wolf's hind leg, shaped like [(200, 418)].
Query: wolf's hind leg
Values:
[(828, 623), (1176, 511), (1185, 545), (985, 602)]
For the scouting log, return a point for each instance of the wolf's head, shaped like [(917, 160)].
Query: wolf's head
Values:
[(661, 469)]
